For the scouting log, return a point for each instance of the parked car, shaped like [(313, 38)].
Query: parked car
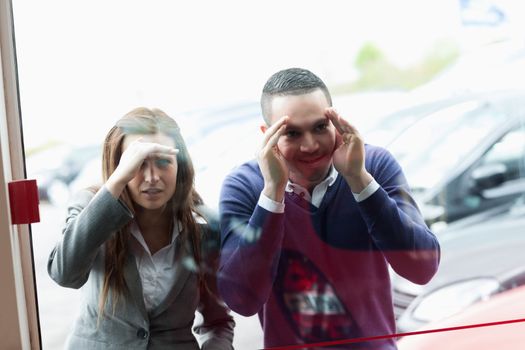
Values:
[(505, 306), (481, 255), (385, 128), (43, 165), (461, 155), (55, 169)]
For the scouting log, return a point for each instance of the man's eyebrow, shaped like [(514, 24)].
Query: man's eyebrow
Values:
[(315, 123), (291, 126), (320, 122)]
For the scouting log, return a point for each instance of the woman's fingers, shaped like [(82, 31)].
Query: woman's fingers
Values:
[(150, 147)]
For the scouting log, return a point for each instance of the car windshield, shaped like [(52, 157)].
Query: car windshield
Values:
[(386, 129), (383, 130), (432, 147)]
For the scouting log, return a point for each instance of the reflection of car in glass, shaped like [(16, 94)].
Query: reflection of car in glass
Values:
[(386, 128), (480, 255), (42, 166), (226, 137), (505, 306), (64, 163), (462, 156)]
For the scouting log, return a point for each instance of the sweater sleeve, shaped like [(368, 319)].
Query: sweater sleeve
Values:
[(90, 221), (251, 239), (395, 222)]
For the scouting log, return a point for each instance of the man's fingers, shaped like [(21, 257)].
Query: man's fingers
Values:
[(341, 124), (272, 141), (270, 132), (347, 126), (334, 117), (338, 140)]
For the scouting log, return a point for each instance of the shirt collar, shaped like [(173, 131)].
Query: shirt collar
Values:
[(328, 181)]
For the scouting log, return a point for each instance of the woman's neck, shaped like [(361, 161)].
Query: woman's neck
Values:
[(156, 228)]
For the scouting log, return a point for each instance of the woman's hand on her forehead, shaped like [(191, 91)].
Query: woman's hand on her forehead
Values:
[(131, 161), (152, 149), (138, 151)]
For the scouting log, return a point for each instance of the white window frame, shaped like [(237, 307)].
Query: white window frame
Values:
[(18, 303)]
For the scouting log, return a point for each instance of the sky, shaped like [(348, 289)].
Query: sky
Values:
[(83, 64)]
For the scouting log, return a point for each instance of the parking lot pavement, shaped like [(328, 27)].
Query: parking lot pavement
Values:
[(58, 306)]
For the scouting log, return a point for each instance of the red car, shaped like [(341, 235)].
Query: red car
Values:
[(506, 306)]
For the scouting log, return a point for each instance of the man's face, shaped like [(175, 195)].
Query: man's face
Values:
[(309, 141)]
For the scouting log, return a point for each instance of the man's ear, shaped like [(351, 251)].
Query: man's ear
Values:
[(263, 128)]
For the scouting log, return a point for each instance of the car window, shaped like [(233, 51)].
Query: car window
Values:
[(383, 131), (507, 154), (433, 147), (510, 149)]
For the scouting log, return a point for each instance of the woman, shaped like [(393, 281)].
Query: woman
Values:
[(138, 246)]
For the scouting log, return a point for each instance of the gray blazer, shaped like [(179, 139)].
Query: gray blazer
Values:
[(78, 261)]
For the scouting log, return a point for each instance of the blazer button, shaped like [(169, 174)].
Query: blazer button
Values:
[(142, 333)]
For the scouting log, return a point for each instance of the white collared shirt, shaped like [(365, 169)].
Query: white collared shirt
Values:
[(157, 271), (317, 194)]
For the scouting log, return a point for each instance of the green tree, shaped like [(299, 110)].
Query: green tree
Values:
[(376, 72)]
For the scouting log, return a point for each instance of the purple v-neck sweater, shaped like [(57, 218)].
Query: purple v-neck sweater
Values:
[(319, 274)]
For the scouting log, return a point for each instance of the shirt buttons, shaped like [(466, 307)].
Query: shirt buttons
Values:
[(301, 194), (142, 333)]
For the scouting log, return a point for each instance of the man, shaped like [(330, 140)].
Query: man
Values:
[(309, 227)]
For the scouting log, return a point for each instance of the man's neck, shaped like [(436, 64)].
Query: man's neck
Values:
[(307, 184)]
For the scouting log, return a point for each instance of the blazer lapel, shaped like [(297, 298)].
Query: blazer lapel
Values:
[(132, 277)]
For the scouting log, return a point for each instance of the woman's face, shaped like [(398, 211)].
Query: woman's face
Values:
[(156, 181)]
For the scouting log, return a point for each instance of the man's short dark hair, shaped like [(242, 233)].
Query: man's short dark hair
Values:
[(291, 81)]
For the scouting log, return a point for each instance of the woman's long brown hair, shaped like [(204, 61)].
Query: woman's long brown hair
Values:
[(183, 203)]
